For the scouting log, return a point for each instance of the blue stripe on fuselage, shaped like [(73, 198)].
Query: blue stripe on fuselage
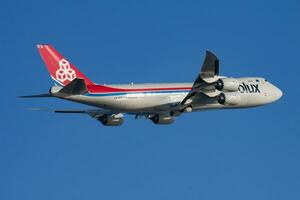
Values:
[(145, 92), (125, 93)]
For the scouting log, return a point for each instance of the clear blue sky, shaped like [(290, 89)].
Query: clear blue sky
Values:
[(232, 154)]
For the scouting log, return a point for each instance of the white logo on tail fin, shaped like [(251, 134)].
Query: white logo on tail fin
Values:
[(65, 72)]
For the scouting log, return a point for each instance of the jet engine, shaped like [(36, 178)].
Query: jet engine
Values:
[(162, 120), (111, 121), (227, 84), (230, 98)]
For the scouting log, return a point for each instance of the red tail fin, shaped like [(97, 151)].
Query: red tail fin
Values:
[(60, 69)]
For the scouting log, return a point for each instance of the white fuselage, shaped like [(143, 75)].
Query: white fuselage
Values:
[(253, 91)]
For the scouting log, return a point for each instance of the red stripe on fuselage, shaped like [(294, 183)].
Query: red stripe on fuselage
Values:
[(107, 89)]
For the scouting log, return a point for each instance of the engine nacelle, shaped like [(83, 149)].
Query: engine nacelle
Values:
[(229, 98), (111, 121), (162, 120), (227, 84)]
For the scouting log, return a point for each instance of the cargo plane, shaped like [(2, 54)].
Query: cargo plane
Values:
[(159, 102)]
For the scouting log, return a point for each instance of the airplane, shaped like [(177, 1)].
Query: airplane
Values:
[(159, 102)]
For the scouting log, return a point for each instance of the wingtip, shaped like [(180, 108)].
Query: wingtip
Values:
[(211, 53)]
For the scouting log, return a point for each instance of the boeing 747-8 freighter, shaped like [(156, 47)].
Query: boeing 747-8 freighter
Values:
[(159, 102)]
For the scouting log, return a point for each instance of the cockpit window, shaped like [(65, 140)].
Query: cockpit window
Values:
[(266, 80), (257, 80)]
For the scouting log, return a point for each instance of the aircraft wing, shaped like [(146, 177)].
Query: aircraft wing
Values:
[(94, 113), (210, 68)]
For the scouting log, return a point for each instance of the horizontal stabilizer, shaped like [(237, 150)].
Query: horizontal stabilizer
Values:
[(37, 95), (75, 87)]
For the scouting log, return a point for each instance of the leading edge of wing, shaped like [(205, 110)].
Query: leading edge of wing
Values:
[(94, 113)]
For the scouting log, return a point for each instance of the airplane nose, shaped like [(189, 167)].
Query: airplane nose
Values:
[(278, 93), (275, 93)]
